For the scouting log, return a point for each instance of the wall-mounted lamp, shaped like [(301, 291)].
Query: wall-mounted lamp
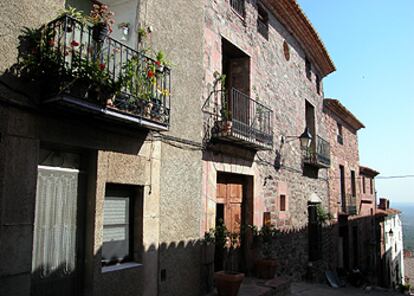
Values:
[(305, 139), (124, 28)]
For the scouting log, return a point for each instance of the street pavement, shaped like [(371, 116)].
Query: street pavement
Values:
[(307, 289)]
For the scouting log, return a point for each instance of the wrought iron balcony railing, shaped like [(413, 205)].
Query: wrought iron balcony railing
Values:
[(238, 6), (349, 205), (101, 76), (318, 154), (245, 121)]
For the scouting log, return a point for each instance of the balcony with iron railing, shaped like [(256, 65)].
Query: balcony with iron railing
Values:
[(244, 120), (238, 6), (103, 77), (318, 154), (349, 205)]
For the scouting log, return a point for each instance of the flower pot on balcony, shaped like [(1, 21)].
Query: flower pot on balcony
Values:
[(80, 88), (99, 32), (228, 283), (148, 109), (265, 268)]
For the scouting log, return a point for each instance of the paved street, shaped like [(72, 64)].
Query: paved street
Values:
[(306, 289)]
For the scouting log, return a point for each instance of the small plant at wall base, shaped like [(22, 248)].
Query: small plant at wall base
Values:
[(322, 214), (266, 265), (227, 281)]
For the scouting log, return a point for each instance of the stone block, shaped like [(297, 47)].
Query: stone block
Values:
[(16, 285), (16, 249), (19, 185)]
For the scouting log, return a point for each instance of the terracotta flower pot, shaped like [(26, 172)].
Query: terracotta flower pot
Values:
[(228, 284), (266, 268)]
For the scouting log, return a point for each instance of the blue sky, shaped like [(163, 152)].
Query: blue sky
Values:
[(372, 45)]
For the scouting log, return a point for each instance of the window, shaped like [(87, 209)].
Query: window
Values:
[(308, 68), (122, 215), (238, 6), (282, 203), (318, 84), (286, 50), (371, 186), (310, 120), (342, 185), (262, 21), (339, 135), (267, 219), (353, 185), (363, 184)]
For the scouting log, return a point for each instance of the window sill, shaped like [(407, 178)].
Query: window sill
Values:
[(122, 266)]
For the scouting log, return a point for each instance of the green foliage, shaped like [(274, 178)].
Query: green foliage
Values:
[(142, 34), (404, 288), (322, 214), (264, 236), (74, 13)]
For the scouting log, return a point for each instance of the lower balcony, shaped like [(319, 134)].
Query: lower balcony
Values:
[(349, 205), (318, 154), (244, 121), (80, 71)]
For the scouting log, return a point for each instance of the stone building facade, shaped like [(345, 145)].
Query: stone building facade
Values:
[(273, 64), (107, 164), (351, 194), (391, 267), (246, 83)]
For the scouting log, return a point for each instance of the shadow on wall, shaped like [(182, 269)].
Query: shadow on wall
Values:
[(181, 268)]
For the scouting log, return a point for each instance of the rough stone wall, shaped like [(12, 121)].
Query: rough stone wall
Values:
[(283, 86), (347, 155)]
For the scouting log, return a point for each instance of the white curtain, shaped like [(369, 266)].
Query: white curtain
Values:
[(54, 242)]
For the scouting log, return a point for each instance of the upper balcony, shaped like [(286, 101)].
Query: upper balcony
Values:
[(81, 70), (318, 154), (244, 120)]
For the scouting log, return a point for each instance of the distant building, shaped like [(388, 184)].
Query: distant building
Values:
[(391, 259), (352, 207)]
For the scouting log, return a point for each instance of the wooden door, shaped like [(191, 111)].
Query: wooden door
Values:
[(230, 194)]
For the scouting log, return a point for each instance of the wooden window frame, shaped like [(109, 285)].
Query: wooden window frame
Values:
[(282, 205)]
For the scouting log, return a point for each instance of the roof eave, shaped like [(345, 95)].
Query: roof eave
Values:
[(289, 13)]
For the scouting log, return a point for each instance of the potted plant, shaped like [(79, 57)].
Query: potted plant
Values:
[(266, 265), (102, 20), (227, 281)]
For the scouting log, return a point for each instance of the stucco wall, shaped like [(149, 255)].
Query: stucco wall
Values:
[(177, 30)]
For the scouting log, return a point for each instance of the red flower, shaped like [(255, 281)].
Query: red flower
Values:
[(150, 74), (158, 63), (102, 67), (51, 42), (74, 43)]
